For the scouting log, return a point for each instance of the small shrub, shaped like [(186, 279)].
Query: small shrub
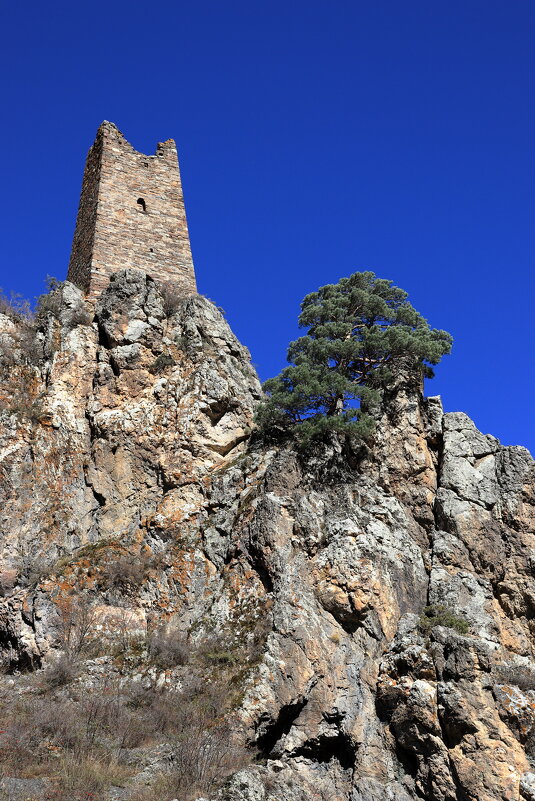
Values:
[(161, 362), (172, 298), (201, 761), (32, 341), (220, 657), (17, 743), (51, 302), (15, 307), (30, 347), (215, 651), (125, 573), (24, 349), (440, 615), (129, 643), (167, 649), (60, 673), (76, 624), (163, 712)]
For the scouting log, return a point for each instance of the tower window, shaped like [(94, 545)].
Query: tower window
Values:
[(141, 204)]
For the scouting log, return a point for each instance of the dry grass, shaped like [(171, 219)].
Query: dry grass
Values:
[(87, 779), (80, 739)]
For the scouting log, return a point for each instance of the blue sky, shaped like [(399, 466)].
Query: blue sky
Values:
[(315, 139)]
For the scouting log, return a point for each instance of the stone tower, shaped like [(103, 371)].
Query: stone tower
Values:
[(131, 214)]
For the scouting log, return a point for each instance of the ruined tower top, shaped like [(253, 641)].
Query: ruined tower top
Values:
[(131, 214)]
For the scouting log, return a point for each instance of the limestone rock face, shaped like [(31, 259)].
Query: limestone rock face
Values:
[(111, 442), (135, 441)]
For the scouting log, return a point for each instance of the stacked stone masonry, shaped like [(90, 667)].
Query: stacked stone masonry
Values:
[(131, 214)]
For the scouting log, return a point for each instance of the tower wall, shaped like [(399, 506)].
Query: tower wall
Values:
[(131, 214)]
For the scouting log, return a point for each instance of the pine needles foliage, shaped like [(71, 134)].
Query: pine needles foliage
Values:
[(362, 334)]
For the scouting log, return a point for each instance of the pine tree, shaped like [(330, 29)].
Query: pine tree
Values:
[(362, 332)]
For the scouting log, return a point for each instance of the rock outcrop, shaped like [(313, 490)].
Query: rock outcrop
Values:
[(128, 442)]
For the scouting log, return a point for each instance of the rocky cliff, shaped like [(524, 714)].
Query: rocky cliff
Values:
[(366, 617)]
